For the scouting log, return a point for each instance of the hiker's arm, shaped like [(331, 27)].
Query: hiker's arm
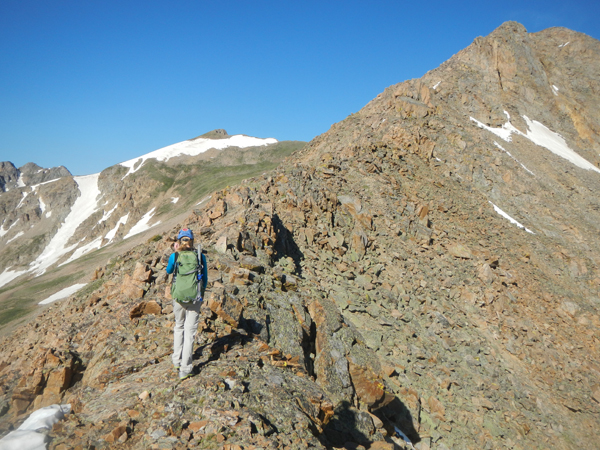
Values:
[(171, 264)]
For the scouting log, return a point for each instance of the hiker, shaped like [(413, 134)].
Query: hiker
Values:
[(189, 282)]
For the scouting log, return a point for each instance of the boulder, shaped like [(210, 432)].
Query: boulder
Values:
[(226, 307), (143, 308)]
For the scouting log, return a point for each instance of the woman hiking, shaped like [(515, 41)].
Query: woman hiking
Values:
[(189, 283)]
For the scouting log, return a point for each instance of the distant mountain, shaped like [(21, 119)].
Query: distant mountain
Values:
[(29, 175), (50, 218), (425, 275)]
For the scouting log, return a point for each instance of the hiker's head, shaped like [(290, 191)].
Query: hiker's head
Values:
[(185, 238)]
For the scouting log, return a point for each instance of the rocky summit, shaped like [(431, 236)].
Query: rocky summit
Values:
[(423, 275)]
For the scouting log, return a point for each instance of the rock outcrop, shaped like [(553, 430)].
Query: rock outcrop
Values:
[(9, 175), (30, 174)]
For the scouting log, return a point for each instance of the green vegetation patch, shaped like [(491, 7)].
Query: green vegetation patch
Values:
[(22, 247), (11, 313), (26, 297), (229, 168), (89, 288)]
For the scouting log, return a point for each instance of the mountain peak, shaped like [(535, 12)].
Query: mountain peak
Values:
[(510, 27), (9, 175), (219, 133)]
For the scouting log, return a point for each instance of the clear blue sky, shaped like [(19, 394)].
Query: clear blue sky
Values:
[(88, 84)]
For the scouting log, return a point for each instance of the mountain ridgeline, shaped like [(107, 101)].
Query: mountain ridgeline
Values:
[(423, 275), (49, 219)]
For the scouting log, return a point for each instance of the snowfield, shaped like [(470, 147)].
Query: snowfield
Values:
[(510, 219), (194, 147), (142, 225), (541, 135), (85, 205), (31, 435), (64, 293)]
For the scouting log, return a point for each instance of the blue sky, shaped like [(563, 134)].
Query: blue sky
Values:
[(90, 84)]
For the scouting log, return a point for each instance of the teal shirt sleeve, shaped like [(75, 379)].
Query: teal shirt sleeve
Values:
[(171, 264)]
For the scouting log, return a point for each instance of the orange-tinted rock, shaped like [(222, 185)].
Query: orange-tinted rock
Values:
[(226, 307)]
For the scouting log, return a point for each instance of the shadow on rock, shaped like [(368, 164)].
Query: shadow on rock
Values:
[(218, 347), (285, 246), (395, 415), (350, 427)]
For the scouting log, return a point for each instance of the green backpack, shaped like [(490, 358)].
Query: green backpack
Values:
[(187, 284)]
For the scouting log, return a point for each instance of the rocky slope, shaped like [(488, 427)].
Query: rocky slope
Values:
[(367, 286)]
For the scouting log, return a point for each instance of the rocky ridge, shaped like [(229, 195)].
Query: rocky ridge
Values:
[(30, 174), (364, 287), (31, 178)]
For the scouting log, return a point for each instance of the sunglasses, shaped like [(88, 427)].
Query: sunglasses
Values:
[(185, 239)]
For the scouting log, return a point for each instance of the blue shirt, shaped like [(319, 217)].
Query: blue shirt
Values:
[(203, 276)]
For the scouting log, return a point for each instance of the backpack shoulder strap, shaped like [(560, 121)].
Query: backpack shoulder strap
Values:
[(199, 255), (176, 267)]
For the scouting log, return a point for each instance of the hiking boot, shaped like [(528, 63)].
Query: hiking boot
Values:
[(185, 377)]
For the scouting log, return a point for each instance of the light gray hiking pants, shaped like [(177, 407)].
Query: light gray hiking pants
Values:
[(186, 327)]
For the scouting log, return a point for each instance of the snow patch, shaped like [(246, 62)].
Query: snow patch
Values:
[(509, 154), (205, 199), (25, 194), (20, 182), (195, 147), (30, 435), (503, 132), (506, 216), (3, 231), (35, 186), (111, 234), (20, 233), (436, 85), (108, 214), (555, 90), (84, 207), (42, 205), (142, 225), (174, 199), (564, 45), (94, 245), (64, 293), (8, 275), (541, 135)]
